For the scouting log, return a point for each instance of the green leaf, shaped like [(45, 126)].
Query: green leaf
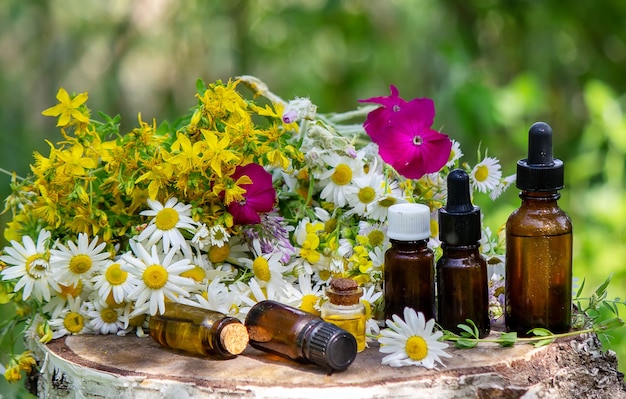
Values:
[(541, 332), (467, 330), (464, 343), (610, 324), (543, 342), (508, 339), (601, 290), (580, 289)]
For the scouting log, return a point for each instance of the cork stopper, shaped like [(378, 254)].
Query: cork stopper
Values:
[(234, 338), (344, 291)]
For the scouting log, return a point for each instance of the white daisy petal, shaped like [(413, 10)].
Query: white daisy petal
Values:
[(411, 341)]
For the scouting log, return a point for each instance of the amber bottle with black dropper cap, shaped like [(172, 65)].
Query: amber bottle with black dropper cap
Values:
[(538, 290), (462, 285), (290, 332)]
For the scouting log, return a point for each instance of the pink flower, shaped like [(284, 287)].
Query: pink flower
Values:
[(259, 197), (406, 141)]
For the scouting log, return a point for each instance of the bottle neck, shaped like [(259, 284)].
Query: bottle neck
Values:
[(540, 196), (416, 244), (449, 249)]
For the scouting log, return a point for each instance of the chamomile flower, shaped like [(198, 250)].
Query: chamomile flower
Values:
[(368, 299), (216, 297), (368, 188), (455, 154), (30, 263), (158, 275), (304, 296), (114, 281), (166, 223), (411, 342), (268, 270), (79, 261), (486, 174), (71, 320), (105, 319), (502, 186), (337, 180)]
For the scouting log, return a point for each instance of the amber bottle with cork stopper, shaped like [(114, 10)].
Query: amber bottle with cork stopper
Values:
[(462, 284), (293, 333), (344, 308), (538, 290), (409, 271), (200, 331)]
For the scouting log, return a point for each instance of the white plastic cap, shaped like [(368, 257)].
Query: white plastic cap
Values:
[(408, 222)]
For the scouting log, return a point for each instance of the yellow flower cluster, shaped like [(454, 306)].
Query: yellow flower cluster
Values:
[(96, 179)]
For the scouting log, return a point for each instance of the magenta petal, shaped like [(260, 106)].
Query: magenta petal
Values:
[(420, 110), (262, 201), (260, 196), (410, 160), (387, 101), (243, 214)]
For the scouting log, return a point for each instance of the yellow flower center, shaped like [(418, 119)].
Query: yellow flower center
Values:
[(387, 202), (166, 219), (80, 264), (197, 274), (73, 322), (115, 275), (155, 276), (37, 266), (416, 348), (324, 275), (342, 175), (219, 254), (376, 237), (261, 269), (108, 315), (482, 173), (367, 195)]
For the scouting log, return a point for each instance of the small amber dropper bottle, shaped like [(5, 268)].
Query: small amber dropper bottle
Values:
[(462, 285), (344, 308), (409, 271), (290, 332), (538, 289), (199, 331)]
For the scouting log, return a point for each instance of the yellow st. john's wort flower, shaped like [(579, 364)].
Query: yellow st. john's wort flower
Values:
[(75, 162), (68, 108)]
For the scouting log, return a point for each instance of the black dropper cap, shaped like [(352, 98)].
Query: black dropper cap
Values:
[(540, 171), (330, 347), (459, 220)]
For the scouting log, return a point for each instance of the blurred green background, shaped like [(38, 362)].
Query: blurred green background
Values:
[(492, 68)]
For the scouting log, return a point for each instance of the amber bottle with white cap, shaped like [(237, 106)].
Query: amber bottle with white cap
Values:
[(409, 271)]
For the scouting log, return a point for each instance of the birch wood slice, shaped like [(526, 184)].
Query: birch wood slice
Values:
[(89, 366)]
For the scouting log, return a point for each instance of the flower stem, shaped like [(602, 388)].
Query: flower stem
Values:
[(6, 172)]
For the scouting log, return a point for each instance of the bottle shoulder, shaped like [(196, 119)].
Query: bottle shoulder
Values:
[(538, 219)]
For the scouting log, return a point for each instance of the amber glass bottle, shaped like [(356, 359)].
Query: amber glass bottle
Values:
[(409, 271), (462, 285), (199, 331), (538, 289), (290, 332), (344, 308)]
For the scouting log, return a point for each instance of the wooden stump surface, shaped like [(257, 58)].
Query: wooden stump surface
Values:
[(90, 366)]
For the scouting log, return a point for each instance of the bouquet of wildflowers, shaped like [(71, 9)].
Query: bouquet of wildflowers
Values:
[(240, 200)]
